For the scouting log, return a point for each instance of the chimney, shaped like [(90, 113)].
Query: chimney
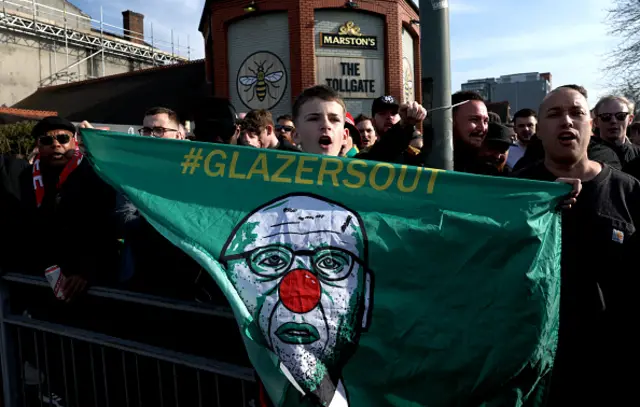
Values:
[(133, 24)]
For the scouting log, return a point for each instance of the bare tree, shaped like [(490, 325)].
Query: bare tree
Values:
[(624, 18)]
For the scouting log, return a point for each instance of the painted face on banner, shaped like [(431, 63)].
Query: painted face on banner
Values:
[(299, 266)]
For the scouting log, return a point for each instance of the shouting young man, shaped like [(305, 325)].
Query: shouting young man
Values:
[(599, 244)]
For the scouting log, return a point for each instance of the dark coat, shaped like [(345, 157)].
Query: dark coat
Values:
[(73, 228)]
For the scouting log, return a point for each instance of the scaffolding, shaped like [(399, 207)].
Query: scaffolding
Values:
[(41, 21)]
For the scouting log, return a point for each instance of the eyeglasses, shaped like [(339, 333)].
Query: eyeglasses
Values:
[(273, 261), (48, 140), (620, 116), (157, 132), (280, 127)]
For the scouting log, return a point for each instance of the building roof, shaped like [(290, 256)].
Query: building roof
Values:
[(207, 7), (123, 98), (26, 113)]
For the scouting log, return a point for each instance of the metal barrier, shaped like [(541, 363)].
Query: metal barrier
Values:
[(45, 363)]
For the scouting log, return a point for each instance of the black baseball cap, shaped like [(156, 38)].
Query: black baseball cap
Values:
[(52, 123), (384, 103), (499, 134)]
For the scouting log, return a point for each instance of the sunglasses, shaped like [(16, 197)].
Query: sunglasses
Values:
[(48, 140), (620, 116), (280, 127)]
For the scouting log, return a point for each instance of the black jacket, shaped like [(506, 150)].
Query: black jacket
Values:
[(626, 152), (597, 151), (152, 264), (393, 147), (10, 169), (284, 145), (73, 228)]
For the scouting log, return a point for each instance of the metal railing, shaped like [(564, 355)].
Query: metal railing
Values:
[(49, 363)]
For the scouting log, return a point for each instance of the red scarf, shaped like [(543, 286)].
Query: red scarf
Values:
[(38, 184)]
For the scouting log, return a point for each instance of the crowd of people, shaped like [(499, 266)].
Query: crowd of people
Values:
[(57, 211)]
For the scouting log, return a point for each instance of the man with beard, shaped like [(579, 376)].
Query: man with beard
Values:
[(494, 152), (367, 132), (613, 114), (303, 278), (385, 114), (524, 123), (470, 125), (598, 299)]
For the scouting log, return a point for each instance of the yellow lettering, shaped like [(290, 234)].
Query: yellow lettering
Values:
[(261, 160), (300, 170), (289, 159), (232, 170), (403, 174), (432, 181), (388, 182), (333, 173), (219, 166), (358, 174)]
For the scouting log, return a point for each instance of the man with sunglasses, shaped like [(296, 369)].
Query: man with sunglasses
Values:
[(285, 128), (258, 131), (613, 114), (67, 209)]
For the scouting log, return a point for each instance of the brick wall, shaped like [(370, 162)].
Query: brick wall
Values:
[(301, 14), (133, 23)]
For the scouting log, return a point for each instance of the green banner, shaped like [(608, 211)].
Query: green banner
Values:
[(360, 283)]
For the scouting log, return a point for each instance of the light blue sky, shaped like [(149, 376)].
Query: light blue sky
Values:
[(489, 38)]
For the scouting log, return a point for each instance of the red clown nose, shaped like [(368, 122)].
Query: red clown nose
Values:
[(300, 291)]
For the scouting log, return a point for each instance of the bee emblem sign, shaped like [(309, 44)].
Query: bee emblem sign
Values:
[(262, 80)]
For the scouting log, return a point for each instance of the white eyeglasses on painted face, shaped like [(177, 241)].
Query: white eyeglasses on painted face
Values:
[(274, 261)]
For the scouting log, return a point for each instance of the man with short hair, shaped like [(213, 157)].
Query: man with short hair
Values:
[(258, 131), (597, 150), (285, 128), (161, 122), (470, 125), (613, 114), (524, 123), (319, 116), (367, 132), (599, 245)]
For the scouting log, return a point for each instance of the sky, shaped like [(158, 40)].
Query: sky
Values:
[(489, 38)]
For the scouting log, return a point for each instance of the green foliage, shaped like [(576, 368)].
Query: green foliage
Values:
[(16, 138)]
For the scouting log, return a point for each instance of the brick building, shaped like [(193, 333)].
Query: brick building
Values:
[(263, 53)]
